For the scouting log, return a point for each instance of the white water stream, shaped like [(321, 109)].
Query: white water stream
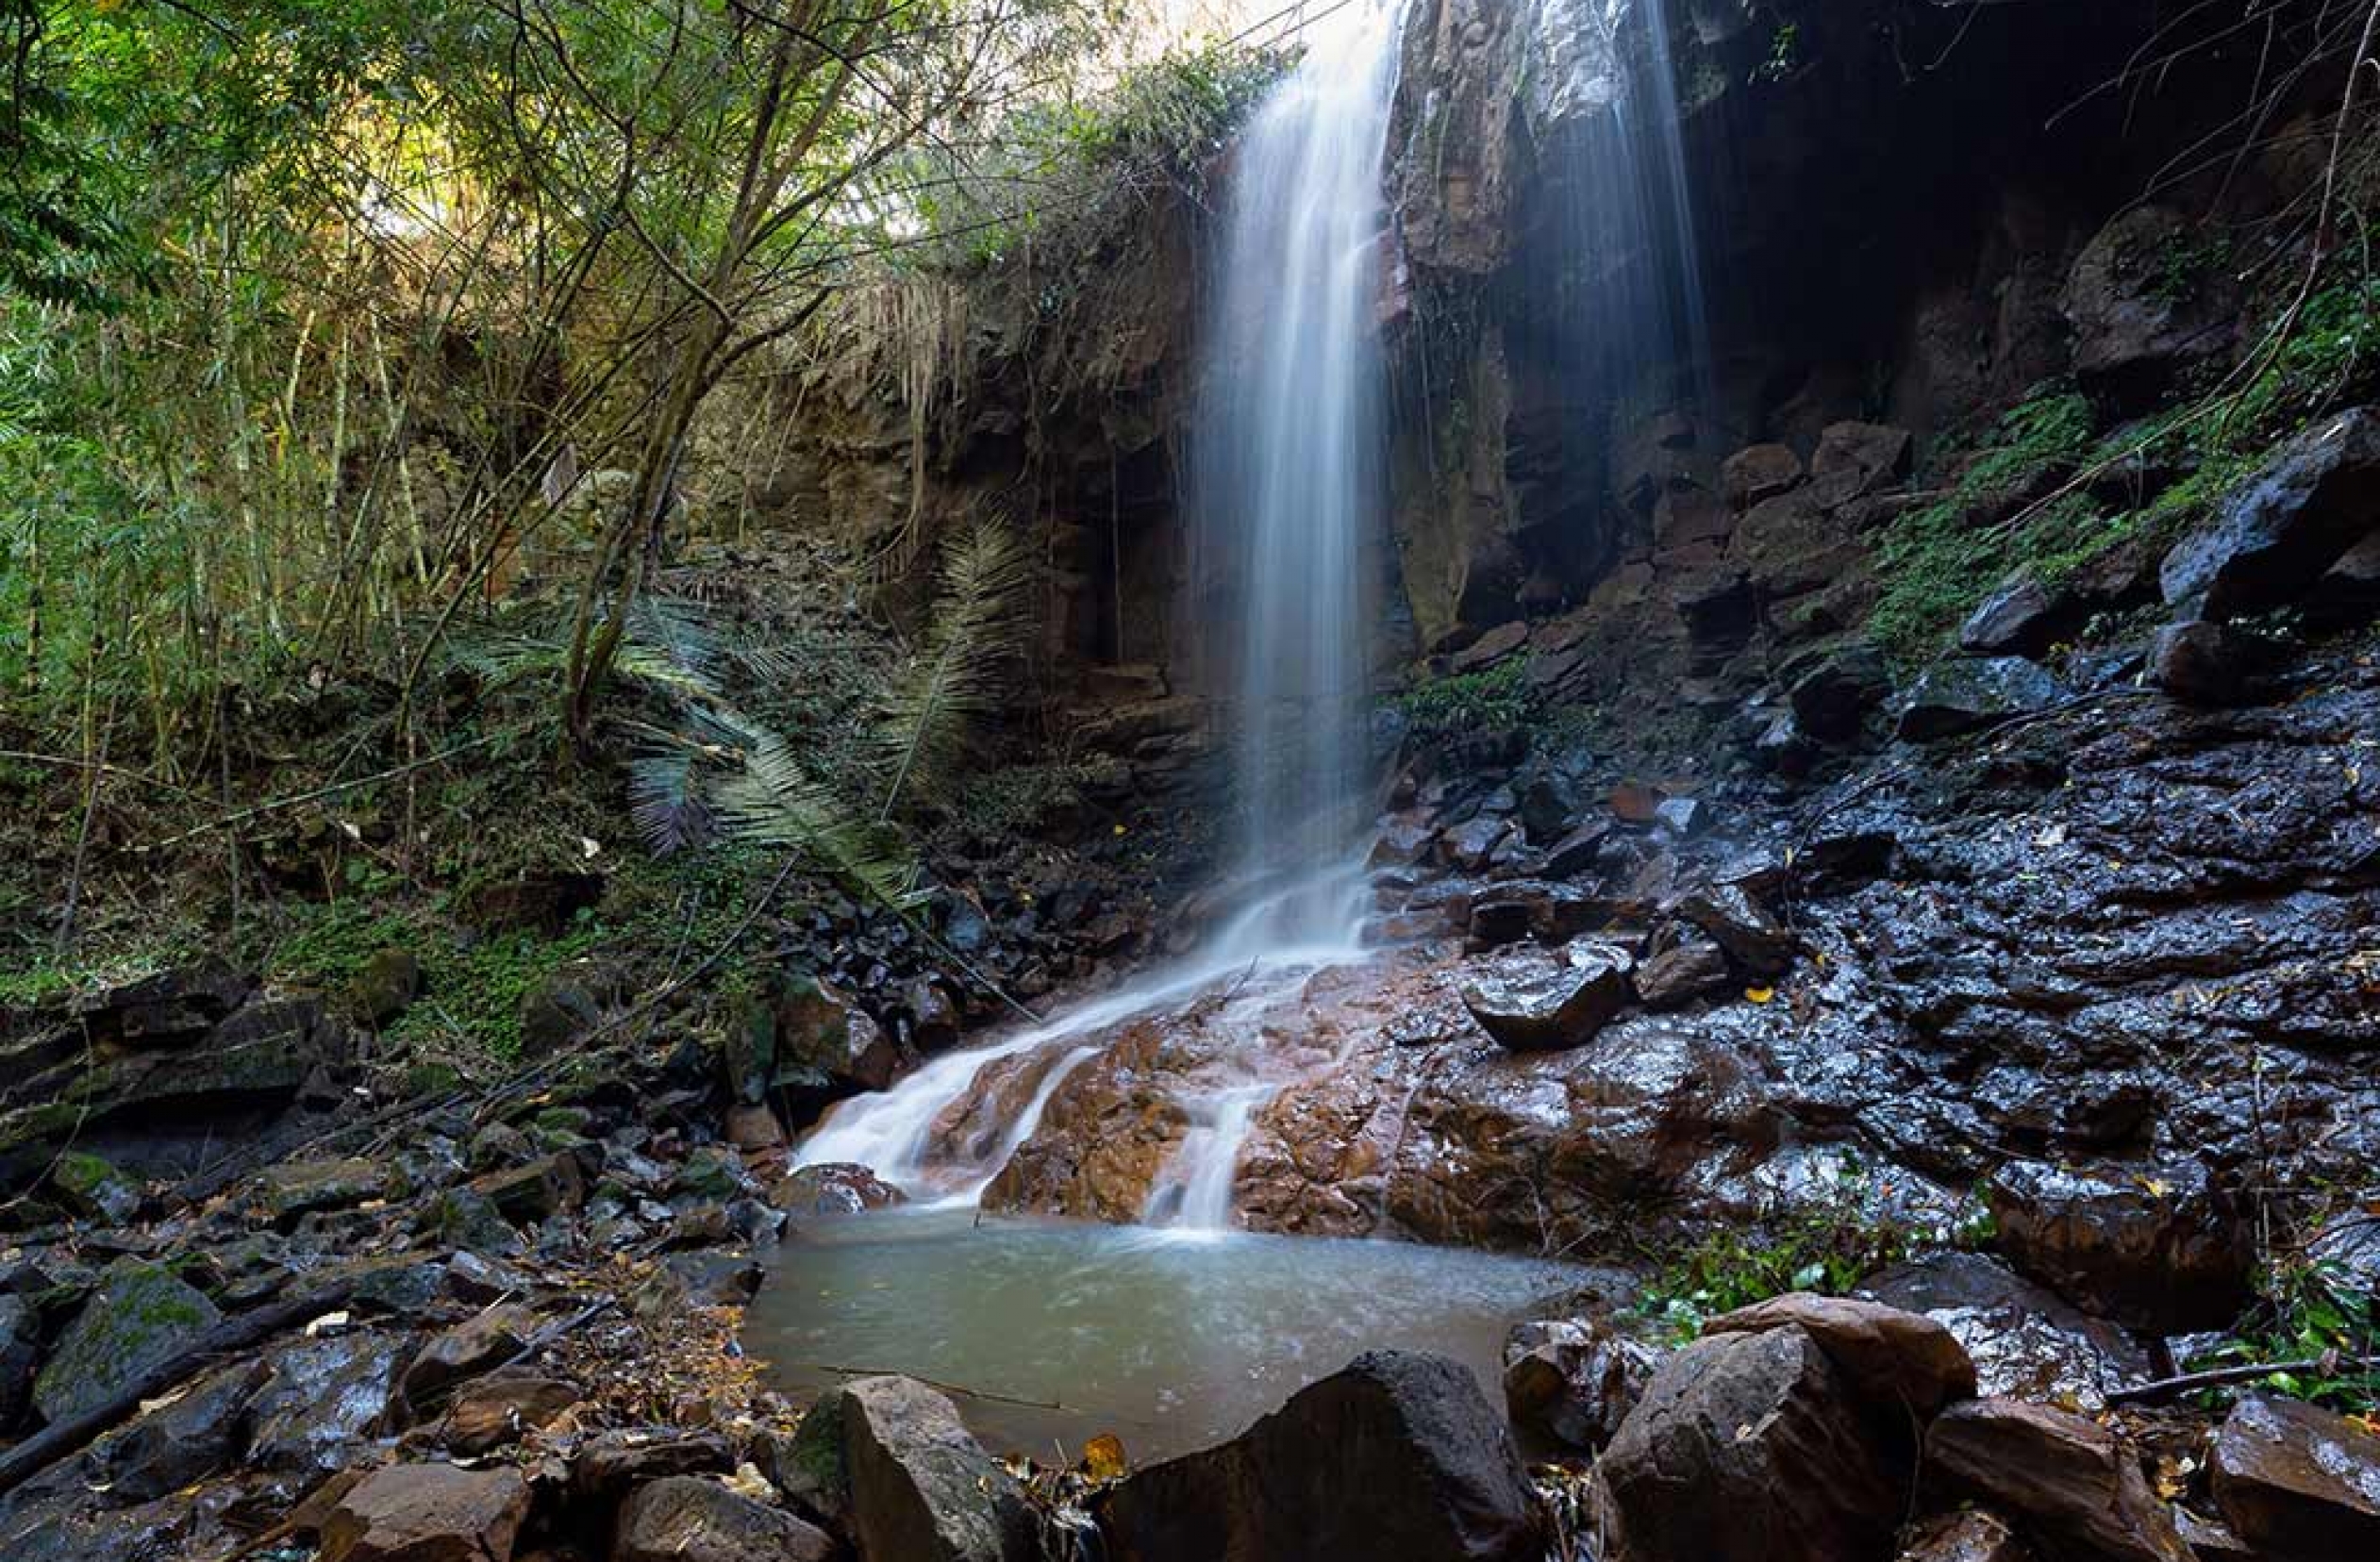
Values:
[(1288, 491)]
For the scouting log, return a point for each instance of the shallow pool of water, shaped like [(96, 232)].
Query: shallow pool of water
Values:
[(1169, 1341)]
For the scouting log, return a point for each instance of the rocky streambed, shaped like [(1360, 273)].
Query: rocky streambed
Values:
[(2027, 1005)]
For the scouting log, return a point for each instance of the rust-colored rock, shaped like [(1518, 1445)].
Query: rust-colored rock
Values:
[(2298, 1482), (1903, 1361), (2068, 1477), (428, 1513)]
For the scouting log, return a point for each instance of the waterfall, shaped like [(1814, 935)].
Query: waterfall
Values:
[(1288, 490), (1288, 482)]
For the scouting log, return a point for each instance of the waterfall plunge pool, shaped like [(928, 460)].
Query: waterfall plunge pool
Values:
[(1170, 1340)]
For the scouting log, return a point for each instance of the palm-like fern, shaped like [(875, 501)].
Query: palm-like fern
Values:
[(980, 632)]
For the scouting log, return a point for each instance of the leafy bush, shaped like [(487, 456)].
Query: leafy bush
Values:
[(1495, 699)]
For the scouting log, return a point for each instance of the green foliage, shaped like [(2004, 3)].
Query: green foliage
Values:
[(981, 625), (2310, 1311), (1018, 800), (1936, 563), (475, 991), (1826, 1245), (1785, 55), (1064, 167), (1495, 699)]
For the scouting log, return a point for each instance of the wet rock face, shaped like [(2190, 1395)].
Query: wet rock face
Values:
[(1545, 1005), (2297, 1482), (1418, 1466), (1890, 1358), (2156, 1246), (2275, 537), (1752, 1448), (2025, 1341)]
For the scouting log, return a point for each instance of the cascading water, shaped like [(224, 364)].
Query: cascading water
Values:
[(1289, 473), (1288, 482)]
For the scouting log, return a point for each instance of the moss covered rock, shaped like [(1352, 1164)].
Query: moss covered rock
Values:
[(140, 1316)]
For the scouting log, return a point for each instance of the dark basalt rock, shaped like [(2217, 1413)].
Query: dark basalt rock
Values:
[(1832, 698), (323, 1398), (916, 1484), (2202, 662), (1952, 698), (1573, 1382), (612, 1463), (1683, 969), (2297, 1482), (687, 1519), (1756, 473), (2023, 618), (2273, 538), (1396, 1456), (169, 1010), (469, 1349), (1753, 1448), (2156, 1246), (140, 1317), (2067, 1478), (188, 1440), (1754, 939), (2138, 329)]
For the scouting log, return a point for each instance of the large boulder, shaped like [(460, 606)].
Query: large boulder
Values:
[(2297, 1482), (1755, 1447), (2277, 534), (2148, 305), (2156, 1246), (916, 1484), (2064, 1477), (1951, 698), (2025, 1341), (1903, 1362), (688, 1518), (428, 1513), (181, 1442), (1397, 1455), (142, 1316), (1541, 1004)]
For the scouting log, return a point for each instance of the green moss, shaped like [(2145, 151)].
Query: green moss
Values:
[(1935, 563)]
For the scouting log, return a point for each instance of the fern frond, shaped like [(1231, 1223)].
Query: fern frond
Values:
[(981, 624), (499, 658), (667, 803), (773, 802)]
